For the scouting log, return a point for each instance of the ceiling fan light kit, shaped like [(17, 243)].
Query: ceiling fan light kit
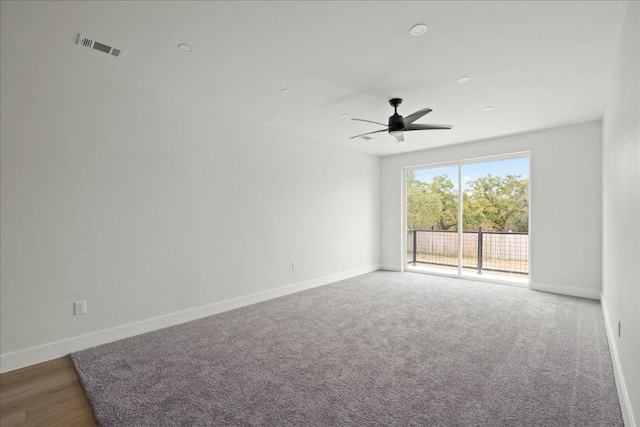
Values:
[(398, 125)]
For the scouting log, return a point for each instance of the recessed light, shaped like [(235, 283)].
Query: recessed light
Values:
[(285, 90), (185, 47), (489, 108), (504, 127), (464, 79), (418, 29), (345, 116)]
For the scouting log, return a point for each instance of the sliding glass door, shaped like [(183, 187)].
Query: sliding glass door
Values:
[(469, 219), (432, 219)]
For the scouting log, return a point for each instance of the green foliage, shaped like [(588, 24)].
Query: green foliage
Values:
[(494, 203), (431, 205), (499, 203)]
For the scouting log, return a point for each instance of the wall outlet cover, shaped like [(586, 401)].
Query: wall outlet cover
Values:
[(79, 307)]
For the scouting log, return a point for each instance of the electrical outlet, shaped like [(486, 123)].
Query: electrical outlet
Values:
[(294, 266), (79, 307), (361, 255)]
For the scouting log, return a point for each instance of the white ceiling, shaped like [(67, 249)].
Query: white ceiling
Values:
[(540, 64)]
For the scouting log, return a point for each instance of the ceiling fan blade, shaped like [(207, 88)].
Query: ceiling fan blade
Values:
[(400, 137), (369, 121), (426, 127), (415, 116), (369, 133)]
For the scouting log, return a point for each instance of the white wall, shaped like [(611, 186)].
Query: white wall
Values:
[(144, 205), (565, 208), (621, 213)]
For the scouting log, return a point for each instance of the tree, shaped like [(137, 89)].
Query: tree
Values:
[(431, 205), (498, 203), (445, 196)]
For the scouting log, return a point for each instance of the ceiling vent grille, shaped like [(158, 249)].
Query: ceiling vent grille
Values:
[(89, 42)]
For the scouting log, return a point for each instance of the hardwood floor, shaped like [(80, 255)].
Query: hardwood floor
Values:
[(47, 394)]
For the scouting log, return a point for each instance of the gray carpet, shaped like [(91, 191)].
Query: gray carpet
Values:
[(380, 349)]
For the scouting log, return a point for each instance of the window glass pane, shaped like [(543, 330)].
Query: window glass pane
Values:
[(432, 218), (495, 205)]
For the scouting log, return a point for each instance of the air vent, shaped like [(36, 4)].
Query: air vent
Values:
[(102, 47)]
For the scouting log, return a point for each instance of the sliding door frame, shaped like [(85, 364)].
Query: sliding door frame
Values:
[(460, 164)]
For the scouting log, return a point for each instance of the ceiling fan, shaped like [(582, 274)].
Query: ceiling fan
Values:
[(398, 124)]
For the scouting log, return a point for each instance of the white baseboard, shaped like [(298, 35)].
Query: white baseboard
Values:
[(566, 290), (623, 393), (389, 267), (43, 353)]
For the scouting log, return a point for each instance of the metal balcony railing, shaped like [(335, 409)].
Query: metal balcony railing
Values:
[(505, 252)]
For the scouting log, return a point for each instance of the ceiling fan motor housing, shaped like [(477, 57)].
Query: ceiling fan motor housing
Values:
[(396, 123)]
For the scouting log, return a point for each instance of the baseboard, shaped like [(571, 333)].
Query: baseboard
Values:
[(43, 353), (566, 290), (389, 267), (623, 394)]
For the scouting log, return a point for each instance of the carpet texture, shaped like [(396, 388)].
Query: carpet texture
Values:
[(380, 349)]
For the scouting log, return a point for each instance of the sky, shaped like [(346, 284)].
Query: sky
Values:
[(473, 171)]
